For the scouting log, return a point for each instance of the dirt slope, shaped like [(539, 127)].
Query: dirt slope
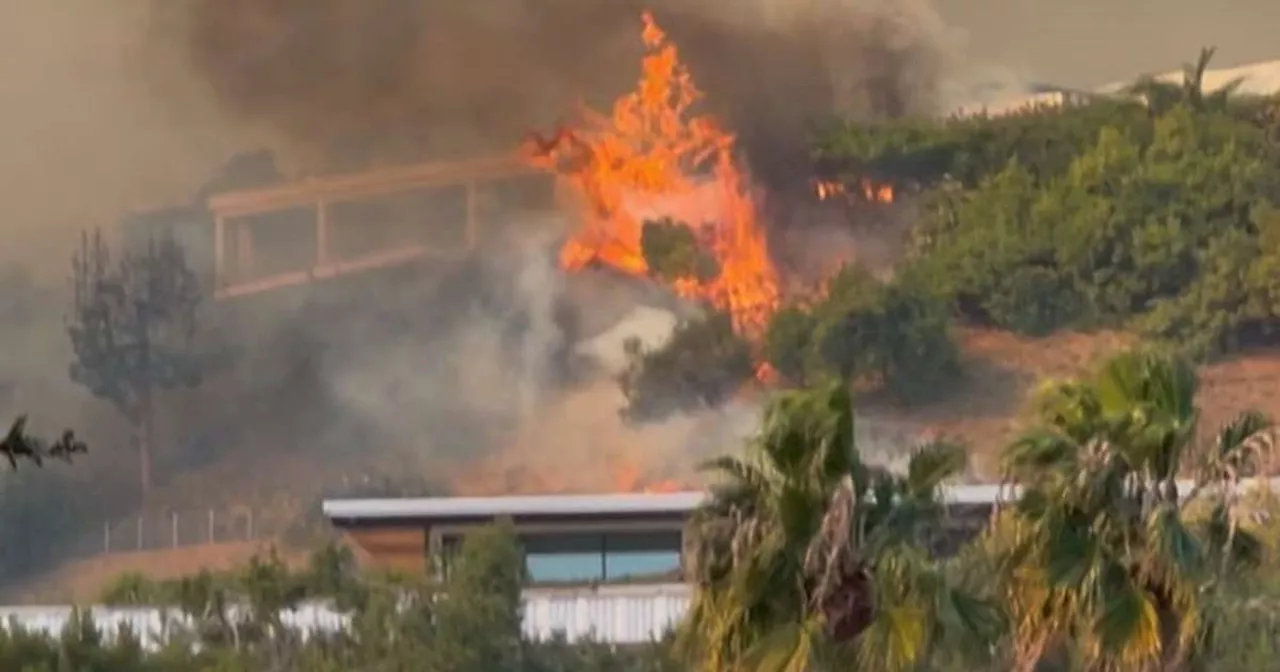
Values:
[(1002, 369)]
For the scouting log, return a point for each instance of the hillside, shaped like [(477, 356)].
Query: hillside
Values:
[(1118, 220)]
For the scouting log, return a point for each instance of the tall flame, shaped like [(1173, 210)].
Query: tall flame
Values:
[(655, 157)]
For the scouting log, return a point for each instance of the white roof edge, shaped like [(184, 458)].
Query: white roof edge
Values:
[(529, 505), (1259, 78), (616, 504)]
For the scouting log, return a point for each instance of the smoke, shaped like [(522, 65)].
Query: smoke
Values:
[(481, 365), (481, 381), (83, 143), (344, 84)]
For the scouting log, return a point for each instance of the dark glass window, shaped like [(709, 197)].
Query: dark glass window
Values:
[(591, 557), (642, 555), (564, 558)]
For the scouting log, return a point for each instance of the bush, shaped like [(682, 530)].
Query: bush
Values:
[(702, 365), (468, 623), (1138, 230), (672, 252), (894, 334), (969, 150)]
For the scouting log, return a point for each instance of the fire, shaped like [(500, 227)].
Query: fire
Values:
[(870, 191), (654, 156), (828, 189), (877, 193), (627, 478)]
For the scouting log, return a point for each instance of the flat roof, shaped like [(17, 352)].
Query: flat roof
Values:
[(613, 504), (516, 505)]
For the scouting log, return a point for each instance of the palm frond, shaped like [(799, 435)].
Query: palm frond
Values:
[(1128, 627), (1175, 548), (788, 648), (896, 639), (1242, 444), (1039, 451), (933, 463), (967, 621), (19, 445)]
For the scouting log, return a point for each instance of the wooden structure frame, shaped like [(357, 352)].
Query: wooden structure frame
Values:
[(233, 240)]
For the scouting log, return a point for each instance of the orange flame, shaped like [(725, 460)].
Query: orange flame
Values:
[(828, 189), (627, 478), (877, 193), (654, 157), (870, 190)]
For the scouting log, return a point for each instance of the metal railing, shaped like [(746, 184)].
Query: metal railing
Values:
[(191, 527), (153, 531)]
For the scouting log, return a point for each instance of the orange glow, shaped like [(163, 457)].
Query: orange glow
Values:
[(877, 193), (627, 478), (828, 189), (870, 191), (654, 157)]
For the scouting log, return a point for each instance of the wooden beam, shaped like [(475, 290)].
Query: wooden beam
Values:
[(219, 251), (244, 250), (331, 270), (364, 185), (322, 233)]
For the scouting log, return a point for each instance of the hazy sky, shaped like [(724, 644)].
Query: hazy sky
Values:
[(1085, 43)]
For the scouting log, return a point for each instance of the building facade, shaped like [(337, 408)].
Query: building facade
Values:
[(568, 540)]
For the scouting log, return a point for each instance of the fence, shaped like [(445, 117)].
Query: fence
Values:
[(881, 440), (612, 614), (176, 529)]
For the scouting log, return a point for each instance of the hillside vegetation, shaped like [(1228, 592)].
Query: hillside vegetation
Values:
[(1153, 214), (805, 557)]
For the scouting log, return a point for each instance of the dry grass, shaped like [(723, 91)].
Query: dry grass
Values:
[(1002, 368)]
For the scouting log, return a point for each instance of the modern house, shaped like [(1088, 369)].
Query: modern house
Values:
[(569, 540), (576, 541), (601, 566), (606, 566)]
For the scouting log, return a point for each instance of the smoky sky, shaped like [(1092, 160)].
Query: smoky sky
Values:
[(354, 83)]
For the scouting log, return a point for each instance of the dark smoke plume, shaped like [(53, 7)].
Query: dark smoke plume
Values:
[(443, 370), (352, 83)]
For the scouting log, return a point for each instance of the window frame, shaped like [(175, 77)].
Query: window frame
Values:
[(439, 540)]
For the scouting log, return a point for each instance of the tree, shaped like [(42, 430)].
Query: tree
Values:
[(132, 330), (895, 334), (672, 252), (806, 556), (478, 616), (702, 365), (1100, 558), (1161, 97)]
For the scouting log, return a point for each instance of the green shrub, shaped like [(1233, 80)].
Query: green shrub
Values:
[(702, 365), (892, 333)]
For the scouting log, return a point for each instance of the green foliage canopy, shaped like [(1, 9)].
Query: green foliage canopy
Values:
[(1151, 211)]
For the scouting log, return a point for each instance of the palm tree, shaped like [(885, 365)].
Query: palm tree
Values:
[(1098, 556), (18, 445), (1160, 96), (806, 557)]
